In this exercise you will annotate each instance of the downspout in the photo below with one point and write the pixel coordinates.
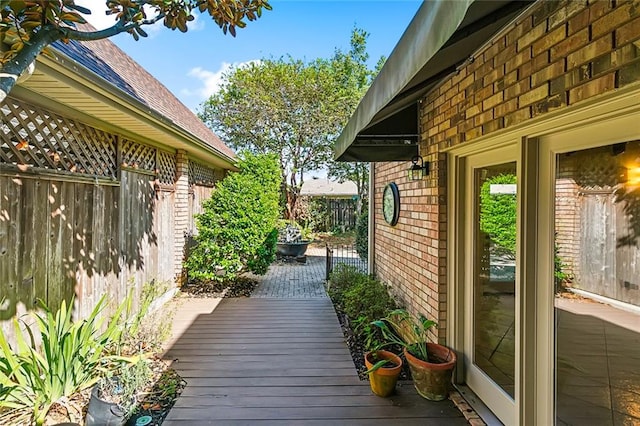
(371, 225)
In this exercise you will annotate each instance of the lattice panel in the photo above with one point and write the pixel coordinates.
(597, 170)
(199, 174)
(138, 156)
(33, 137)
(166, 167)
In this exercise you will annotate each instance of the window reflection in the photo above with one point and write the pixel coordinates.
(597, 271)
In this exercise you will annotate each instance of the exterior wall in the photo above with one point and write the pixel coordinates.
(410, 256)
(556, 56)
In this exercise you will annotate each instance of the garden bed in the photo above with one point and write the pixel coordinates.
(356, 346)
(240, 287)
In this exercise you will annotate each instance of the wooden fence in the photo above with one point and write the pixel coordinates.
(598, 224)
(83, 213)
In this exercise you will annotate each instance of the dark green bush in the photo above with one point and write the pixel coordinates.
(362, 234)
(367, 300)
(342, 279)
(237, 230)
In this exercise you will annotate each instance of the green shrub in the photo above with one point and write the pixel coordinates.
(362, 234)
(236, 229)
(498, 213)
(367, 300)
(341, 279)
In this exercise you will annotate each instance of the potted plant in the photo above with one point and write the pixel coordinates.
(115, 397)
(292, 241)
(431, 364)
(383, 368)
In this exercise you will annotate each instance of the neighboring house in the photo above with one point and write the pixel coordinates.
(339, 200)
(535, 107)
(101, 171)
(324, 188)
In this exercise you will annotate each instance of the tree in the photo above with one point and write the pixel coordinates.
(237, 230)
(292, 108)
(28, 27)
(358, 78)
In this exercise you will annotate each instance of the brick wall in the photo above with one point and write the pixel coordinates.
(181, 210)
(559, 54)
(567, 217)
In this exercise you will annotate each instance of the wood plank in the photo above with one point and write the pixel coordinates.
(458, 421)
(302, 413)
(265, 360)
(277, 391)
(266, 372)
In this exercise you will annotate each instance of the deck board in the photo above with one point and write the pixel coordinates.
(282, 362)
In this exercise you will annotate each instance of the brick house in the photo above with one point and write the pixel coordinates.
(533, 105)
(101, 171)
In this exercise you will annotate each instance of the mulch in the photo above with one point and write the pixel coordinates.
(241, 287)
(357, 348)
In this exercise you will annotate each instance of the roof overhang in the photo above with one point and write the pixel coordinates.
(441, 37)
(61, 84)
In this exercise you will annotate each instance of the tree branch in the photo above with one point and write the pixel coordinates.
(12, 69)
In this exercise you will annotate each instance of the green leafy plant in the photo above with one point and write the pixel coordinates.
(367, 299)
(341, 279)
(140, 329)
(70, 358)
(236, 229)
(362, 234)
(125, 383)
(498, 213)
(401, 328)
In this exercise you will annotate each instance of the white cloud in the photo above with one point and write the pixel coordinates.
(99, 19)
(212, 80)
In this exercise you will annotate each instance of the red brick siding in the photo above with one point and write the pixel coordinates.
(559, 54)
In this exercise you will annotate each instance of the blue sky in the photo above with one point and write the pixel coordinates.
(190, 64)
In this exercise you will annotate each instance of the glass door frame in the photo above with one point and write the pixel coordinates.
(494, 396)
(601, 121)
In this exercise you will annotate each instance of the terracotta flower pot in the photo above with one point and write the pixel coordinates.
(383, 380)
(432, 379)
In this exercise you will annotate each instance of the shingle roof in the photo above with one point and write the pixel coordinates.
(106, 60)
(327, 188)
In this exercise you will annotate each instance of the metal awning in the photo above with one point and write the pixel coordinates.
(439, 39)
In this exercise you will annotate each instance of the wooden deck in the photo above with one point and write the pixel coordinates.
(281, 362)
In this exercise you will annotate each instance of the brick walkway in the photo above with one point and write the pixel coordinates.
(293, 280)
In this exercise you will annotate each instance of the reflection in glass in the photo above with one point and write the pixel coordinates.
(494, 273)
(597, 222)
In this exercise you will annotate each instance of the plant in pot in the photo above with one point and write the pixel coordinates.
(431, 364)
(115, 397)
(293, 239)
(383, 367)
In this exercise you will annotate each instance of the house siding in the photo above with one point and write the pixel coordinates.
(557, 55)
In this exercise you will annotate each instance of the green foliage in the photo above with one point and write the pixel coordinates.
(70, 358)
(342, 278)
(363, 299)
(367, 299)
(401, 328)
(560, 276)
(236, 231)
(362, 234)
(142, 330)
(498, 213)
(28, 27)
(313, 103)
(123, 384)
